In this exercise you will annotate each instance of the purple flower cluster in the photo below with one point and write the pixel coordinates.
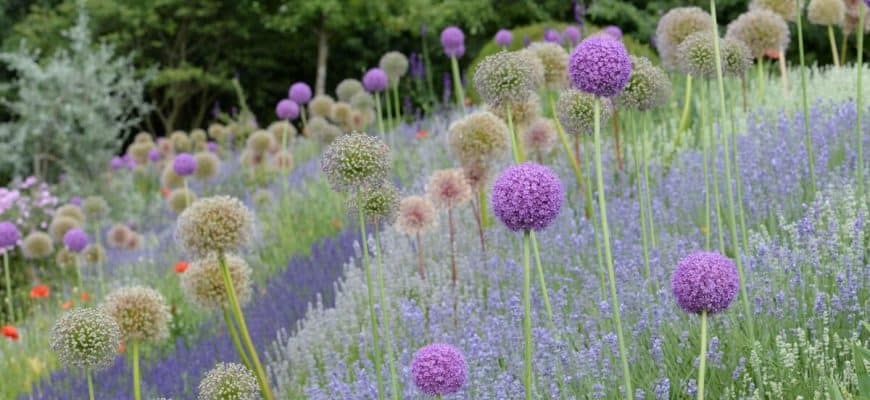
(75, 239)
(527, 197)
(9, 235)
(613, 31)
(504, 37)
(300, 93)
(453, 41)
(375, 80)
(439, 369)
(705, 281)
(571, 35)
(600, 65)
(287, 109)
(184, 164)
(552, 36)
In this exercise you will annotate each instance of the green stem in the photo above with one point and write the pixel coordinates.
(715, 173)
(518, 153)
(457, 84)
(98, 238)
(527, 317)
(90, 384)
(608, 257)
(575, 165)
(235, 336)
(385, 311)
(807, 137)
(702, 368)
(390, 119)
(833, 41)
(304, 118)
(376, 346)
(596, 230)
(78, 267)
(380, 117)
(642, 216)
(738, 182)
(484, 213)
(243, 329)
(284, 171)
(687, 101)
(9, 306)
(859, 103)
(760, 64)
(137, 389)
(186, 194)
(707, 219)
(397, 106)
(543, 282)
(646, 157)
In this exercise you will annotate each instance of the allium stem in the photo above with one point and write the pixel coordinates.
(9, 306)
(376, 346)
(380, 117)
(702, 367)
(484, 218)
(808, 139)
(186, 194)
(743, 91)
(783, 73)
(608, 257)
(518, 152)
(77, 265)
(457, 84)
(596, 230)
(477, 219)
(859, 103)
(642, 215)
(575, 165)
(235, 336)
(385, 312)
(304, 118)
(705, 121)
(646, 157)
(137, 389)
(844, 47)
(452, 245)
(398, 106)
(389, 101)
(833, 42)
(527, 317)
(90, 379)
(284, 171)
(738, 182)
(760, 64)
(714, 145)
(544, 292)
(420, 269)
(687, 101)
(616, 138)
(98, 239)
(243, 329)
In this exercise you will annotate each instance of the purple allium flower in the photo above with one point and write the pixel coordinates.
(705, 281)
(9, 235)
(439, 369)
(375, 80)
(75, 200)
(452, 39)
(212, 146)
(457, 52)
(184, 164)
(600, 66)
(117, 163)
(300, 92)
(504, 37)
(552, 36)
(75, 239)
(287, 109)
(154, 154)
(571, 34)
(527, 197)
(613, 31)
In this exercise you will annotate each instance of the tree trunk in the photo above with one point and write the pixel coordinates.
(322, 53)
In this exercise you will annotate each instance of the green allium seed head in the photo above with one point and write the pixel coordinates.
(278, 129)
(355, 161)
(576, 111)
(198, 136)
(321, 130)
(169, 178)
(736, 57)
(180, 141)
(95, 253)
(262, 197)
(142, 137)
(141, 313)
(203, 281)
(648, 87)
(179, 199)
(507, 78)
(207, 165)
(675, 26)
(218, 132)
(65, 258)
(321, 105)
(95, 207)
(345, 91)
(71, 210)
(214, 224)
(395, 64)
(138, 151)
(555, 61)
(362, 101)
(229, 381)
(86, 338)
(522, 114)
(378, 203)
(787, 9)
(260, 141)
(479, 137)
(697, 56)
(760, 30)
(60, 225)
(340, 114)
(37, 245)
(826, 12)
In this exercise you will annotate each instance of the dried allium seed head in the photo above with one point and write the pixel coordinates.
(362, 101)
(479, 137)
(214, 224)
(95, 253)
(522, 113)
(787, 9)
(761, 30)
(37, 245)
(506, 77)
(141, 313)
(283, 160)
(60, 225)
(218, 132)
(180, 141)
(134, 242)
(448, 188)
(826, 12)
(395, 64)
(169, 178)
(675, 26)
(260, 141)
(198, 136)
(207, 165)
(71, 210)
(65, 258)
(736, 57)
(346, 89)
(118, 235)
(477, 175)
(179, 199)
(540, 137)
(697, 56)
(416, 215)
(320, 105)
(354, 161)
(576, 111)
(86, 338)
(555, 61)
(340, 114)
(203, 281)
(378, 203)
(229, 381)
(280, 128)
(138, 151)
(143, 137)
(321, 130)
(648, 87)
(95, 207)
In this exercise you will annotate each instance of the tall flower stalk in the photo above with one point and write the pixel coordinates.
(859, 101)
(808, 139)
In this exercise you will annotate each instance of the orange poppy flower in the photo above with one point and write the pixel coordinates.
(67, 305)
(181, 266)
(165, 191)
(774, 54)
(422, 133)
(40, 292)
(9, 331)
(122, 347)
(85, 296)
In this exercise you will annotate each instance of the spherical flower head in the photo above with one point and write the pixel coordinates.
(180, 141)
(322, 131)
(452, 39)
(395, 64)
(65, 258)
(378, 203)
(705, 281)
(787, 9)
(477, 175)
(348, 88)
(283, 160)
(439, 369)
(37, 245)
(169, 178)
(117, 163)
(86, 338)
(675, 26)
(75, 239)
(287, 110)
(576, 111)
(340, 114)
(456, 52)
(9, 235)
(141, 313)
(600, 66)
(761, 30)
(214, 224)
(72, 211)
(448, 188)
(143, 137)
(198, 136)
(697, 56)
(184, 164)
(299, 92)
(179, 199)
(203, 281)
(479, 137)
(60, 225)
(736, 57)
(648, 87)
(527, 197)
(320, 105)
(118, 235)
(554, 58)
(375, 80)
(94, 253)
(506, 77)
(356, 160)
(522, 113)
(504, 37)
(207, 165)
(826, 12)
(540, 137)
(571, 35)
(139, 151)
(154, 154)
(229, 381)
(552, 36)
(211, 146)
(416, 215)
(362, 101)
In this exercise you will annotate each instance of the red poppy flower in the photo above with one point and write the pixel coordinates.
(67, 305)
(9, 331)
(774, 54)
(181, 266)
(422, 133)
(85, 296)
(122, 347)
(40, 292)
(165, 191)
